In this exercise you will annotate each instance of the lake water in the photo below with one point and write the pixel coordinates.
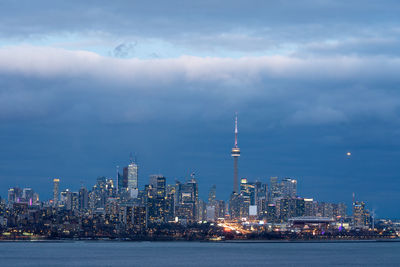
(82, 253)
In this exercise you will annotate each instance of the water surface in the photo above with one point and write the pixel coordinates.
(95, 253)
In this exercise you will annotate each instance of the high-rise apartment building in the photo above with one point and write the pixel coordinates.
(83, 199)
(159, 185)
(56, 192)
(289, 187)
(275, 190)
(212, 195)
(14, 195)
(187, 200)
(361, 216)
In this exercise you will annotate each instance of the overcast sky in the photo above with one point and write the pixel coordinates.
(84, 83)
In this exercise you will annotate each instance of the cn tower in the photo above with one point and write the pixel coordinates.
(235, 155)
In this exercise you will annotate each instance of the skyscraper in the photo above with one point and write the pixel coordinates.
(187, 200)
(130, 175)
(159, 187)
(361, 217)
(14, 195)
(235, 155)
(212, 195)
(56, 182)
(83, 199)
(289, 187)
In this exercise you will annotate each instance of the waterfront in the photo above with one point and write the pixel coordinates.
(98, 253)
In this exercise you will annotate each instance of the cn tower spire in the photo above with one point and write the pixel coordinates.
(236, 130)
(235, 154)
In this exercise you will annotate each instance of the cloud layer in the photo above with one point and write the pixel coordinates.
(314, 90)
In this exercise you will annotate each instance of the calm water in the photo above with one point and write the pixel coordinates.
(198, 254)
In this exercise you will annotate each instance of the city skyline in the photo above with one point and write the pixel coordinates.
(128, 180)
(82, 86)
(137, 182)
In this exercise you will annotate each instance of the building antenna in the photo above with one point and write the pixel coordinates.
(236, 129)
(131, 158)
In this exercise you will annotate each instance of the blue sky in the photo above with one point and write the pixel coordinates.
(84, 84)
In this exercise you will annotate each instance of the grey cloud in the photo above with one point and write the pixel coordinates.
(49, 62)
(237, 25)
(354, 46)
(304, 90)
(124, 50)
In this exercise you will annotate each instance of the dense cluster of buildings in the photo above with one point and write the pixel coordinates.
(117, 207)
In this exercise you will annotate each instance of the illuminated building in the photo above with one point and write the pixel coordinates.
(112, 210)
(251, 200)
(169, 214)
(299, 207)
(262, 204)
(309, 207)
(289, 188)
(83, 199)
(158, 184)
(100, 192)
(326, 209)
(361, 217)
(339, 210)
(27, 195)
(212, 195)
(56, 192)
(139, 218)
(275, 190)
(261, 198)
(246, 198)
(155, 209)
(122, 181)
(170, 203)
(14, 195)
(156, 202)
(239, 206)
(271, 214)
(311, 222)
(248, 191)
(131, 176)
(220, 209)
(134, 217)
(11, 195)
(291, 207)
(283, 209)
(210, 213)
(69, 200)
(187, 200)
(202, 210)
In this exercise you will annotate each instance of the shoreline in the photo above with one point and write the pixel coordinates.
(396, 240)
